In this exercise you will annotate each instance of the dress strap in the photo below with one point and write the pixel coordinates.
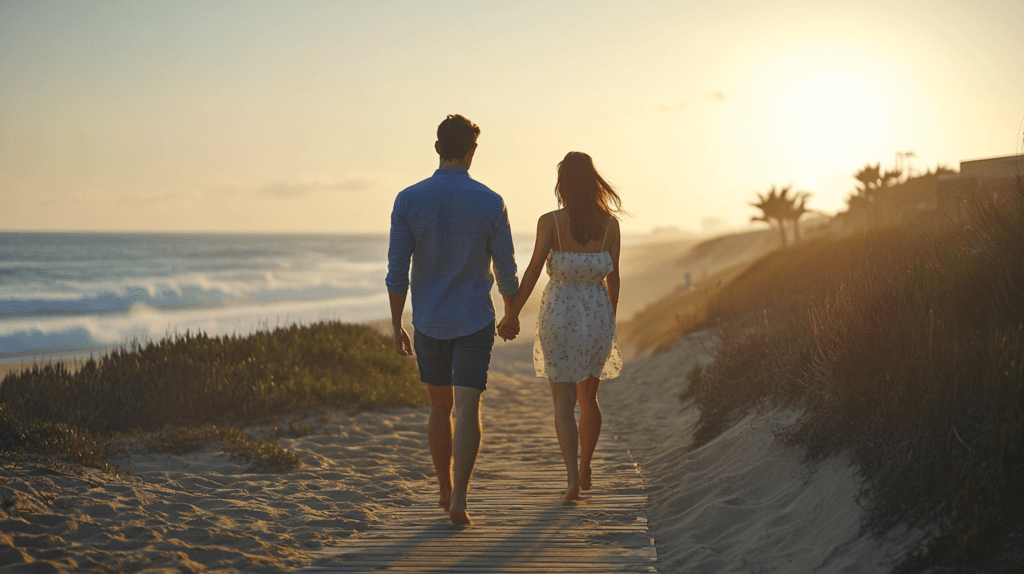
(558, 234)
(606, 227)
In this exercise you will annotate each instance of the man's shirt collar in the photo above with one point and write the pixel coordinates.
(451, 171)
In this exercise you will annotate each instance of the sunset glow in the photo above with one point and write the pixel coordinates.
(843, 111)
(312, 116)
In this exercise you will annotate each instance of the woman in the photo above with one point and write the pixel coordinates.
(575, 344)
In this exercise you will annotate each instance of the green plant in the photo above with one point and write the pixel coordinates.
(191, 380)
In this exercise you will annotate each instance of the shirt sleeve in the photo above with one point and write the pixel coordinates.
(400, 248)
(503, 254)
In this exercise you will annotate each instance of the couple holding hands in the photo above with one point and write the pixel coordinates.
(453, 229)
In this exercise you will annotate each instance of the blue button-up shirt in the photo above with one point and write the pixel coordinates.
(452, 227)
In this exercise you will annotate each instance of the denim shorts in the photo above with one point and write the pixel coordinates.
(462, 361)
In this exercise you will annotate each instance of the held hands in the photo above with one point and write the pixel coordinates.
(508, 328)
(403, 346)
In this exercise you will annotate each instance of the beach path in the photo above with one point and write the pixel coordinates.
(519, 521)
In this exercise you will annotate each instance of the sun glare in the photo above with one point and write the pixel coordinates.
(832, 117)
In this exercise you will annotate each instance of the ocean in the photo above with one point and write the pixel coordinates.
(63, 294)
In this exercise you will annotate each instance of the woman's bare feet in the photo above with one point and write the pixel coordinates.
(445, 501)
(572, 492)
(457, 510)
(585, 478)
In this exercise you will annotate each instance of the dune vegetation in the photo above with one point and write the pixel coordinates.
(904, 347)
(192, 390)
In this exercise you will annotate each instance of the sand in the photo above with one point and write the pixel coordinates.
(205, 512)
(741, 503)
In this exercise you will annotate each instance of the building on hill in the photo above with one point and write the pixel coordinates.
(980, 178)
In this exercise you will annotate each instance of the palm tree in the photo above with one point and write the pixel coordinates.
(797, 208)
(869, 177)
(875, 183)
(775, 206)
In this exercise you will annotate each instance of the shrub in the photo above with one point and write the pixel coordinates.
(906, 348)
(193, 379)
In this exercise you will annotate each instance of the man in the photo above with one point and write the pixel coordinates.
(453, 228)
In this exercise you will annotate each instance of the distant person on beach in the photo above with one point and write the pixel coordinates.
(453, 228)
(575, 343)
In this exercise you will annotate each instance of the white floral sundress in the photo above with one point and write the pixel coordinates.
(576, 325)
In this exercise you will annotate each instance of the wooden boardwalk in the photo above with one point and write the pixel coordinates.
(519, 521)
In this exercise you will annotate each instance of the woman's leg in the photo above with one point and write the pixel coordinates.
(590, 426)
(564, 396)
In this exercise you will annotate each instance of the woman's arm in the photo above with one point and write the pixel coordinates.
(613, 278)
(541, 248)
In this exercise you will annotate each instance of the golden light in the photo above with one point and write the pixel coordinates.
(833, 116)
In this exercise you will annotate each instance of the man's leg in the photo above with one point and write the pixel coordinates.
(467, 446)
(435, 362)
(471, 357)
(564, 396)
(590, 426)
(439, 433)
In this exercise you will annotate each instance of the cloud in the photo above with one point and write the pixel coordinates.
(718, 95)
(309, 185)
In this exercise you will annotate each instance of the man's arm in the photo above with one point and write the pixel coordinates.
(403, 346)
(400, 247)
(503, 257)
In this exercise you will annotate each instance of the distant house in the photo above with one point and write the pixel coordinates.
(980, 178)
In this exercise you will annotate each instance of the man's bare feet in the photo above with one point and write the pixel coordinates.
(585, 478)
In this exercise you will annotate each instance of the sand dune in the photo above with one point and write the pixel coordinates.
(743, 502)
(652, 270)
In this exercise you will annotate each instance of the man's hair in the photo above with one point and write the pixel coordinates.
(455, 136)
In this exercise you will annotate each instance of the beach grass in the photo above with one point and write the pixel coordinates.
(192, 390)
(905, 348)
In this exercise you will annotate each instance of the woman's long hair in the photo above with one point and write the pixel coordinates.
(586, 196)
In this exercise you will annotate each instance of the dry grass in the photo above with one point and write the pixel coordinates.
(906, 349)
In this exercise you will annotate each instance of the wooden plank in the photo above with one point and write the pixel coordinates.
(580, 557)
(614, 545)
(520, 524)
(608, 539)
(538, 543)
(511, 537)
(482, 566)
(482, 569)
(508, 510)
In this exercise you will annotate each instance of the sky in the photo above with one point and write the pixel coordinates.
(311, 116)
